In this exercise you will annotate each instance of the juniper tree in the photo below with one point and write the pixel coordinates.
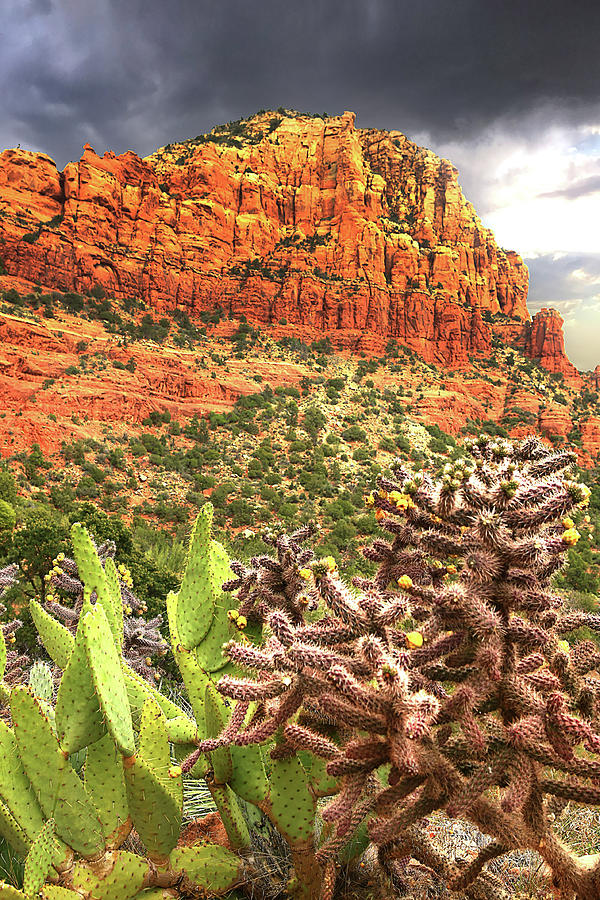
(445, 681)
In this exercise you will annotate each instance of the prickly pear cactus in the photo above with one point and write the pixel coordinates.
(79, 771)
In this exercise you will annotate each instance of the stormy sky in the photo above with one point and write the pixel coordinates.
(509, 91)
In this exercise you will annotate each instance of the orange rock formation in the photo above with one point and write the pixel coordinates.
(358, 234)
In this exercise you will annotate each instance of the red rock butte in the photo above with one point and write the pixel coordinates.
(357, 234)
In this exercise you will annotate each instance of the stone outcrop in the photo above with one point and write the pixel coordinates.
(358, 234)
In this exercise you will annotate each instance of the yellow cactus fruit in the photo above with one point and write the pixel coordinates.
(405, 581)
(571, 536)
(232, 614)
(564, 645)
(148, 661)
(414, 639)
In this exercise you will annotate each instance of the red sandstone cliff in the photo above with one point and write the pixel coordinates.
(355, 233)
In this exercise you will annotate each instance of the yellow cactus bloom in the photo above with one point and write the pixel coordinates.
(452, 570)
(405, 581)
(379, 514)
(232, 614)
(174, 771)
(148, 661)
(304, 573)
(564, 645)
(370, 499)
(567, 522)
(395, 496)
(414, 639)
(241, 622)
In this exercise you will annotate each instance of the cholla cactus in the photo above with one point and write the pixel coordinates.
(142, 639)
(450, 667)
(16, 662)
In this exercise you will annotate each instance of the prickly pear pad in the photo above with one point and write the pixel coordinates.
(155, 751)
(94, 578)
(79, 719)
(12, 832)
(107, 674)
(105, 784)
(217, 715)
(293, 806)
(8, 892)
(38, 863)
(114, 590)
(57, 639)
(15, 787)
(214, 869)
(155, 813)
(195, 601)
(123, 881)
(58, 789)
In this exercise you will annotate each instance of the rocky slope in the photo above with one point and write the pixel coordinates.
(357, 234)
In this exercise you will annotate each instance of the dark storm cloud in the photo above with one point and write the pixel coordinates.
(143, 72)
(580, 188)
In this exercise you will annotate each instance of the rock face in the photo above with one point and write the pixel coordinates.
(543, 340)
(357, 234)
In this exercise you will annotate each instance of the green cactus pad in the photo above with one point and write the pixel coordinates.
(122, 882)
(231, 814)
(195, 681)
(94, 578)
(57, 640)
(249, 779)
(139, 690)
(59, 790)
(15, 787)
(154, 750)
(216, 716)
(107, 675)
(41, 681)
(155, 812)
(8, 892)
(57, 892)
(38, 863)
(292, 805)
(181, 730)
(79, 719)
(214, 869)
(209, 652)
(195, 600)
(105, 784)
(114, 589)
(322, 784)
(12, 832)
